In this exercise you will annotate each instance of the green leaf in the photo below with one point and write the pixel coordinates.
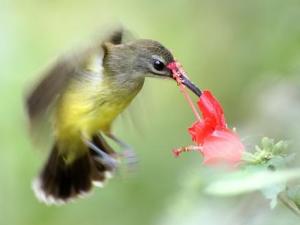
(250, 180)
(280, 147)
(267, 144)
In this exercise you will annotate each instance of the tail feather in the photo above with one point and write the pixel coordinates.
(59, 181)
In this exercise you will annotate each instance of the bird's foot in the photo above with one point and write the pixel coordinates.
(106, 159)
(130, 159)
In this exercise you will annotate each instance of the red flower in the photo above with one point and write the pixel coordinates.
(216, 142)
(213, 118)
(222, 146)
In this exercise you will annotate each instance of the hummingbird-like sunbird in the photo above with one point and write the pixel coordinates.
(86, 91)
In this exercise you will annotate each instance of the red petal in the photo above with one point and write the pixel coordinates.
(213, 118)
(199, 131)
(222, 146)
(211, 110)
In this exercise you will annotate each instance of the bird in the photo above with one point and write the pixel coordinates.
(86, 92)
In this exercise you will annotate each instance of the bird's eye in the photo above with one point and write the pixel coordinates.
(158, 65)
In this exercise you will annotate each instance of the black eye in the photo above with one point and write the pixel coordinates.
(158, 65)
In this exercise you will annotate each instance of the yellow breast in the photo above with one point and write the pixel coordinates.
(89, 108)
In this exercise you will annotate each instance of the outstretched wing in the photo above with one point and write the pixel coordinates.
(51, 85)
(57, 77)
(42, 97)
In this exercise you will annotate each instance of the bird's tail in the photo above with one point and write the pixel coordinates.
(61, 181)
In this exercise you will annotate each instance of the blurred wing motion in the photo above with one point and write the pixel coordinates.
(53, 84)
(57, 78)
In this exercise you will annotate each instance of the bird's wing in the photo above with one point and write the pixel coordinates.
(57, 77)
(41, 99)
(50, 86)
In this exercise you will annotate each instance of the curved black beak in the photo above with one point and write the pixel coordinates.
(177, 72)
(186, 82)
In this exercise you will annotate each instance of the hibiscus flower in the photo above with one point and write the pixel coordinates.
(214, 140)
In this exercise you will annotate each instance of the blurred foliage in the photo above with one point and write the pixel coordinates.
(265, 169)
(268, 153)
(246, 52)
(294, 193)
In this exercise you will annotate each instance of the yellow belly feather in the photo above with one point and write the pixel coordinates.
(85, 110)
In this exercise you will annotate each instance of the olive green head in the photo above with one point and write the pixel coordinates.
(140, 58)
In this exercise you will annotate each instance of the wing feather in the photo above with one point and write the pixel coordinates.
(52, 84)
(57, 77)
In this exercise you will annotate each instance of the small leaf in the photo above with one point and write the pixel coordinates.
(267, 144)
(257, 148)
(268, 150)
(280, 147)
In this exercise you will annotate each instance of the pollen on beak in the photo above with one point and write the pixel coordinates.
(180, 76)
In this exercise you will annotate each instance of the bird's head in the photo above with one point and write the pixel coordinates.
(144, 58)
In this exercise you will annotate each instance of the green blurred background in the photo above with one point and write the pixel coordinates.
(246, 52)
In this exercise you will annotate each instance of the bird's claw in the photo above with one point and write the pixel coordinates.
(130, 159)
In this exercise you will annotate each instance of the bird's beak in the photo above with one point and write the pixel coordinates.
(180, 76)
(186, 82)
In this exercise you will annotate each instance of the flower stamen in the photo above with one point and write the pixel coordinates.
(191, 148)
